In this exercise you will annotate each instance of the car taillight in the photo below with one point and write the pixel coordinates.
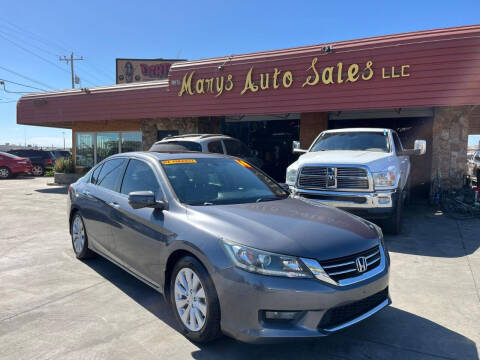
(70, 189)
(48, 161)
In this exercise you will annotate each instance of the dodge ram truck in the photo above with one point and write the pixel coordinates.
(362, 170)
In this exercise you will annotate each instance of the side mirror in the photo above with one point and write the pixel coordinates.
(142, 199)
(296, 148)
(420, 147)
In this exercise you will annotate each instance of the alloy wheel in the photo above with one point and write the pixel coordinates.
(190, 299)
(37, 170)
(78, 234)
(4, 173)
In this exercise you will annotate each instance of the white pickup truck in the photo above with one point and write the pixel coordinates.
(361, 170)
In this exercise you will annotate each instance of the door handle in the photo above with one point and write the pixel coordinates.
(114, 204)
(86, 192)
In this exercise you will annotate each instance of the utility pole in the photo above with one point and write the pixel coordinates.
(63, 132)
(71, 60)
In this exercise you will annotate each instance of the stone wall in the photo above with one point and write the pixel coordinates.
(183, 125)
(449, 145)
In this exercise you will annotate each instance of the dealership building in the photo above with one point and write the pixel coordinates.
(425, 84)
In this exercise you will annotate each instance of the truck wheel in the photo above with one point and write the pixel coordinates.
(393, 225)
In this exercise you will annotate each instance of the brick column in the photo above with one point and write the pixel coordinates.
(311, 124)
(449, 145)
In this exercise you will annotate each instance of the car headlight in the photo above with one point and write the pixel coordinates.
(266, 263)
(291, 177)
(385, 178)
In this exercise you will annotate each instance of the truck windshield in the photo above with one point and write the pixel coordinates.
(215, 181)
(363, 141)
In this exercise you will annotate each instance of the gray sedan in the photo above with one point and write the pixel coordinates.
(228, 247)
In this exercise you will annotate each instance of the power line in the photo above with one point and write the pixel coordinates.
(27, 78)
(34, 36)
(33, 53)
(13, 82)
(100, 70)
(49, 44)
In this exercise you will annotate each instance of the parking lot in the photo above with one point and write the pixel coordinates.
(53, 306)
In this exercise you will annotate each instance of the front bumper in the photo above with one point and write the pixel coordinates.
(375, 204)
(244, 298)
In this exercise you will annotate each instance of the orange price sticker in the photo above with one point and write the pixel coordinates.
(179, 161)
(243, 163)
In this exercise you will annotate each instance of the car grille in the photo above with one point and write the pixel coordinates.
(322, 177)
(345, 313)
(345, 267)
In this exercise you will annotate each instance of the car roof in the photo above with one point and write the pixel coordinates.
(358, 130)
(193, 137)
(170, 155)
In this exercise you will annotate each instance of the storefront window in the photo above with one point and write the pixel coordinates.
(131, 141)
(84, 150)
(107, 145)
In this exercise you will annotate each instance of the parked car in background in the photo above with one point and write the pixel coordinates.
(12, 165)
(42, 160)
(474, 165)
(229, 248)
(61, 154)
(213, 143)
(362, 170)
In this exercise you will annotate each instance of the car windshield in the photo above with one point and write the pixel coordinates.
(364, 141)
(9, 155)
(215, 181)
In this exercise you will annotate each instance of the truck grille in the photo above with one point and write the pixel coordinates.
(342, 314)
(346, 267)
(323, 177)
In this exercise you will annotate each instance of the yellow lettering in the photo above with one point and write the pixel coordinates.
(229, 85)
(199, 86)
(339, 72)
(368, 68)
(385, 75)
(287, 79)
(264, 81)
(209, 83)
(187, 84)
(327, 75)
(276, 72)
(352, 73)
(219, 82)
(316, 79)
(404, 74)
(393, 73)
(249, 84)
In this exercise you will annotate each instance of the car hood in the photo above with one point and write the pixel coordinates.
(290, 226)
(376, 161)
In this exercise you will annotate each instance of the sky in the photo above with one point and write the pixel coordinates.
(33, 34)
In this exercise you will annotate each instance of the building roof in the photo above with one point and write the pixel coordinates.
(418, 69)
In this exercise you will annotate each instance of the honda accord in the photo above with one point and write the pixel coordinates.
(228, 247)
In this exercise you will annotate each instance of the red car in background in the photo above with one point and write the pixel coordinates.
(12, 165)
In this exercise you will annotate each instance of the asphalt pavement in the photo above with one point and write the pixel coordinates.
(53, 306)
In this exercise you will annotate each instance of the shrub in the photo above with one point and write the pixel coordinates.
(64, 165)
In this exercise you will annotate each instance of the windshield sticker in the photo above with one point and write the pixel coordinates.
(243, 163)
(179, 161)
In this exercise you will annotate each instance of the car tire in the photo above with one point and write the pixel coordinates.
(192, 301)
(5, 172)
(393, 225)
(80, 238)
(38, 170)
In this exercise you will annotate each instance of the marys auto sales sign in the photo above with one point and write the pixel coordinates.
(313, 75)
(138, 70)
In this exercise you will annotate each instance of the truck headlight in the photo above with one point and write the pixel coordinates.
(266, 263)
(385, 178)
(291, 177)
